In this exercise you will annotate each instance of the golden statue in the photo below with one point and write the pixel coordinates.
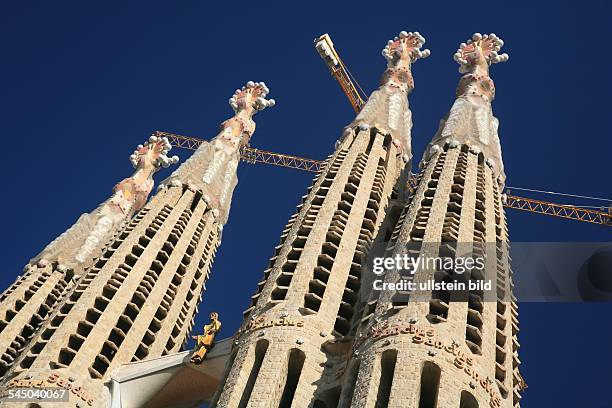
(205, 342)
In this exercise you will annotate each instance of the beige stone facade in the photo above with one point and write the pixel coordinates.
(309, 341)
(411, 352)
(136, 302)
(139, 298)
(316, 333)
(292, 347)
(448, 348)
(26, 304)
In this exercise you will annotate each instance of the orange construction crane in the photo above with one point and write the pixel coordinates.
(251, 155)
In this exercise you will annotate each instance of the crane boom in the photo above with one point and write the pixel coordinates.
(559, 210)
(325, 48)
(248, 154)
(252, 155)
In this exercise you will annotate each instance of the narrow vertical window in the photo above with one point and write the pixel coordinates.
(294, 370)
(260, 352)
(467, 400)
(387, 370)
(430, 383)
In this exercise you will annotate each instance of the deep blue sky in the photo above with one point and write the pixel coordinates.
(83, 83)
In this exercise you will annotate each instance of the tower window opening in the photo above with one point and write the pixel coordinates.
(430, 383)
(260, 352)
(388, 360)
(294, 370)
(84, 328)
(467, 400)
(65, 357)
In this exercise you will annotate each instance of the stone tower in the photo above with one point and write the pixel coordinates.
(419, 347)
(26, 304)
(139, 298)
(290, 348)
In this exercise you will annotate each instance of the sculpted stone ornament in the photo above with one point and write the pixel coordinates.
(146, 159)
(387, 108)
(205, 342)
(246, 102)
(400, 53)
(474, 58)
(212, 168)
(470, 120)
(79, 243)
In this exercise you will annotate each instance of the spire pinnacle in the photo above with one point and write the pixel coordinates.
(131, 193)
(474, 58)
(245, 102)
(471, 121)
(480, 50)
(405, 47)
(153, 153)
(400, 53)
(251, 97)
(387, 108)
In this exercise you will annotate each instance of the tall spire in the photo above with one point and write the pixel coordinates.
(387, 108)
(49, 277)
(139, 298)
(296, 332)
(212, 168)
(458, 347)
(471, 119)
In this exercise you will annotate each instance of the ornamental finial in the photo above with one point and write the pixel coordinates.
(481, 49)
(403, 47)
(154, 153)
(251, 96)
